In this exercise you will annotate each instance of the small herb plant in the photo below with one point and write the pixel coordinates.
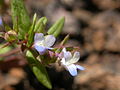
(36, 42)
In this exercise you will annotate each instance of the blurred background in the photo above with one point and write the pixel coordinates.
(93, 25)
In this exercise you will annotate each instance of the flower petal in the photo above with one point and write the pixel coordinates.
(1, 21)
(75, 58)
(72, 69)
(61, 55)
(80, 67)
(49, 40)
(64, 50)
(38, 37)
(63, 61)
(67, 56)
(40, 49)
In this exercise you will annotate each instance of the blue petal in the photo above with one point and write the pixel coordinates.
(80, 67)
(40, 49)
(0, 20)
(72, 69)
(38, 37)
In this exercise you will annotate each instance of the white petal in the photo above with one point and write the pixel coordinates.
(80, 67)
(63, 61)
(61, 55)
(38, 37)
(64, 50)
(67, 56)
(76, 57)
(49, 40)
(72, 69)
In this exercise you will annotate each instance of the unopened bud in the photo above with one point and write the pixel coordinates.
(10, 36)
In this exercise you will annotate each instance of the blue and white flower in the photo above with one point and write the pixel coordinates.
(43, 43)
(68, 61)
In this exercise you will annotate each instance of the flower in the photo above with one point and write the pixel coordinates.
(68, 61)
(43, 43)
(1, 20)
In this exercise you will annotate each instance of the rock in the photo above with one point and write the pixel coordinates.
(113, 40)
(83, 15)
(72, 3)
(103, 32)
(104, 19)
(18, 73)
(12, 78)
(94, 39)
(107, 4)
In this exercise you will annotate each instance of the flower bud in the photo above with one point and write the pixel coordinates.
(10, 36)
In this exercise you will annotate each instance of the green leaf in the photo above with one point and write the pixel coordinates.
(64, 40)
(38, 69)
(4, 50)
(7, 28)
(21, 21)
(40, 25)
(58, 50)
(62, 43)
(57, 27)
(31, 32)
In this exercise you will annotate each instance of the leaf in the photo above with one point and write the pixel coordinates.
(58, 50)
(4, 50)
(38, 69)
(40, 25)
(57, 27)
(21, 21)
(7, 28)
(62, 43)
(64, 40)
(31, 32)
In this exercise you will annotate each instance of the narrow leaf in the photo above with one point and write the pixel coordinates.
(31, 32)
(40, 25)
(21, 21)
(62, 43)
(4, 50)
(57, 27)
(64, 40)
(38, 69)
